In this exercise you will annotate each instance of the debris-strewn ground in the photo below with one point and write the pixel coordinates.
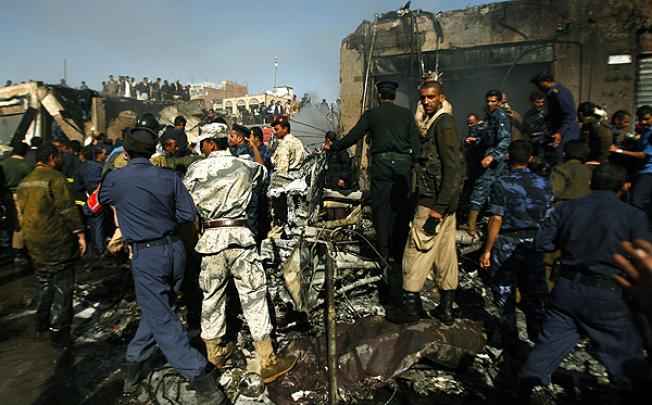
(106, 318)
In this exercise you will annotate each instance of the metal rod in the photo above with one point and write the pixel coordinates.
(331, 342)
(369, 61)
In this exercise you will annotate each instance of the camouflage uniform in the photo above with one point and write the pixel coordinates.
(221, 186)
(49, 221)
(287, 158)
(288, 155)
(522, 199)
(495, 141)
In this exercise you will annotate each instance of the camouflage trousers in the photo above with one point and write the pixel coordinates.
(425, 253)
(243, 264)
(516, 264)
(483, 183)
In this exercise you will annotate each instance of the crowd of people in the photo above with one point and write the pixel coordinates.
(155, 90)
(565, 197)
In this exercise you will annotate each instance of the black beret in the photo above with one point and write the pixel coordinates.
(140, 140)
(241, 129)
(386, 84)
(542, 75)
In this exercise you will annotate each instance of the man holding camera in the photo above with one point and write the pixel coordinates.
(439, 177)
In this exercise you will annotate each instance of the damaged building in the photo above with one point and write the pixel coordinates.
(37, 109)
(601, 50)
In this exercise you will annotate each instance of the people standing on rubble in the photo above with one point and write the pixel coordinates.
(151, 203)
(439, 176)
(111, 87)
(494, 141)
(536, 129)
(586, 300)
(143, 90)
(395, 146)
(286, 160)
(87, 177)
(562, 115)
(222, 186)
(338, 166)
(54, 236)
(15, 169)
(517, 205)
(166, 91)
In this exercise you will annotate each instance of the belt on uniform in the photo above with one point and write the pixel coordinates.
(393, 156)
(590, 280)
(519, 233)
(225, 222)
(156, 242)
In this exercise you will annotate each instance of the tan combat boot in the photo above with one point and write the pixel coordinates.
(469, 227)
(272, 367)
(216, 353)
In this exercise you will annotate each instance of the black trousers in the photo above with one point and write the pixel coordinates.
(391, 205)
(54, 297)
(641, 194)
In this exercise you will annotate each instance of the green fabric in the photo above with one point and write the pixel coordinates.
(49, 217)
(15, 169)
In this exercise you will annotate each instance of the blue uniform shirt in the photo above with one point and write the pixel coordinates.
(589, 231)
(150, 201)
(499, 134)
(562, 113)
(522, 198)
(88, 176)
(645, 145)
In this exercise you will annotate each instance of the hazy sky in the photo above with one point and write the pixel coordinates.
(188, 40)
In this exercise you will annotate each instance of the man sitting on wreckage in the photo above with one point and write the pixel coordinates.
(222, 186)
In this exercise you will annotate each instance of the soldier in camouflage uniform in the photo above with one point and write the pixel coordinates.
(221, 186)
(54, 236)
(495, 141)
(286, 159)
(517, 205)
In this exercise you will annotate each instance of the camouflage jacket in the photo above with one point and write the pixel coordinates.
(522, 198)
(288, 155)
(50, 217)
(222, 187)
(499, 134)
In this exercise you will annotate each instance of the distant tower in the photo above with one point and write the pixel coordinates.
(275, 71)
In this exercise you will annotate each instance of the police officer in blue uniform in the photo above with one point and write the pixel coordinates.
(151, 203)
(517, 205)
(585, 299)
(494, 141)
(562, 114)
(87, 178)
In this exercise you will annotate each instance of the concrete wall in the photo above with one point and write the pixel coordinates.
(582, 34)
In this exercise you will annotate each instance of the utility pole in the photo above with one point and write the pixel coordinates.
(65, 71)
(275, 71)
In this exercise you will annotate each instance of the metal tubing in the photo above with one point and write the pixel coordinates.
(331, 342)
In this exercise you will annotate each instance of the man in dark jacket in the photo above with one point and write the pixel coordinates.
(338, 170)
(494, 141)
(54, 236)
(394, 147)
(87, 178)
(431, 242)
(586, 301)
